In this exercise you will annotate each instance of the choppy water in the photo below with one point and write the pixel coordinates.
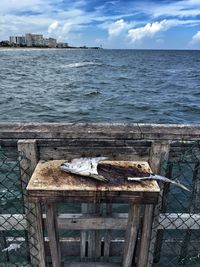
(99, 85)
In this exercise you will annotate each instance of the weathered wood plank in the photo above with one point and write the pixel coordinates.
(107, 234)
(127, 149)
(169, 131)
(145, 235)
(69, 130)
(91, 264)
(160, 234)
(67, 264)
(118, 221)
(50, 184)
(98, 236)
(53, 235)
(91, 209)
(102, 197)
(28, 156)
(131, 234)
(122, 153)
(99, 130)
(93, 142)
(83, 234)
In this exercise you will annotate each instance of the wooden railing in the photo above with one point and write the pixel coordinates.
(154, 143)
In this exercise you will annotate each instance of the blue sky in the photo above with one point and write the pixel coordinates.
(137, 24)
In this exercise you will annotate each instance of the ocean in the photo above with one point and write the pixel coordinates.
(89, 85)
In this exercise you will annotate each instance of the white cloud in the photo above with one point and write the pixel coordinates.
(149, 30)
(54, 26)
(15, 6)
(184, 8)
(75, 21)
(152, 29)
(117, 27)
(195, 39)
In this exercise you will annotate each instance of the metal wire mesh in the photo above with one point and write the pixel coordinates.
(178, 244)
(177, 235)
(17, 247)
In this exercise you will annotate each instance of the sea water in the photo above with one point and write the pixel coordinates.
(89, 85)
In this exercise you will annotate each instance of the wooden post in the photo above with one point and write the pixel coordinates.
(94, 242)
(160, 233)
(145, 235)
(52, 228)
(131, 234)
(107, 235)
(28, 160)
(83, 235)
(159, 155)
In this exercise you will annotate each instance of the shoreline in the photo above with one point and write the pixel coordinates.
(50, 48)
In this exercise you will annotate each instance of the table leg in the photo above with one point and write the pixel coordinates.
(52, 228)
(145, 235)
(131, 234)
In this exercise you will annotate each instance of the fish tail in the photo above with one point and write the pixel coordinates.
(181, 185)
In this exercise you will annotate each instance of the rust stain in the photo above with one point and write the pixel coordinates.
(49, 175)
(118, 174)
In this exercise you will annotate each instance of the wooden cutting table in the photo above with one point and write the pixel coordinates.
(50, 185)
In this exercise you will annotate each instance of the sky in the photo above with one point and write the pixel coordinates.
(124, 24)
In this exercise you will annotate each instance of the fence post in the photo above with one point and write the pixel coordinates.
(28, 160)
(159, 155)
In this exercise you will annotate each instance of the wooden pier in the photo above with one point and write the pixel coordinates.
(155, 144)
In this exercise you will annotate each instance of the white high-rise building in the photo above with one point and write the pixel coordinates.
(18, 40)
(50, 42)
(34, 39)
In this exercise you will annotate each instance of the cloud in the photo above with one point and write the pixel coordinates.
(54, 26)
(117, 27)
(152, 29)
(195, 39)
(110, 21)
(149, 30)
(181, 9)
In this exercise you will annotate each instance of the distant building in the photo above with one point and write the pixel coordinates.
(17, 40)
(50, 42)
(33, 40)
(62, 45)
(12, 40)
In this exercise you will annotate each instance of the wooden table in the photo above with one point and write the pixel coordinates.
(50, 185)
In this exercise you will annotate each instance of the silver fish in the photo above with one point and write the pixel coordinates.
(12, 246)
(158, 178)
(85, 167)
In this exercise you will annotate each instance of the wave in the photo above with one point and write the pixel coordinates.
(81, 64)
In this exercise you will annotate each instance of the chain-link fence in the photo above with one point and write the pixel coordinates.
(17, 245)
(177, 232)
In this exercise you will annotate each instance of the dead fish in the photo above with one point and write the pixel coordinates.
(158, 178)
(11, 247)
(84, 167)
